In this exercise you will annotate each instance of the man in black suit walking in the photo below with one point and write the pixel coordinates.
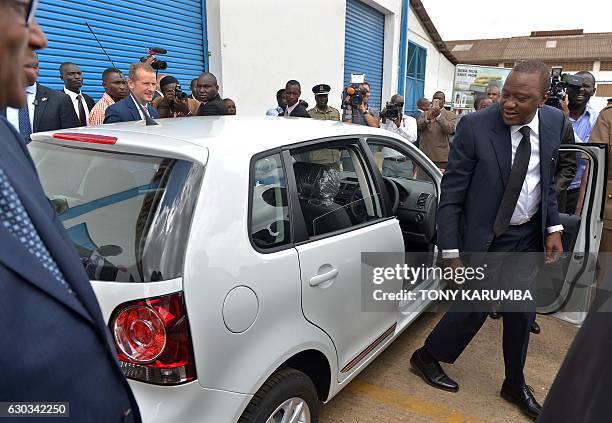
(498, 196)
(73, 82)
(55, 343)
(207, 92)
(45, 109)
(294, 108)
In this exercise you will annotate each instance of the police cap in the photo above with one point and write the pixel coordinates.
(321, 89)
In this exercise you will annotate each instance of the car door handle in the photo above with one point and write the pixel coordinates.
(327, 276)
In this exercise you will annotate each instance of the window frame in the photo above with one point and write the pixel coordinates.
(264, 154)
(350, 141)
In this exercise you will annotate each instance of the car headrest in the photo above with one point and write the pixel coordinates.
(317, 182)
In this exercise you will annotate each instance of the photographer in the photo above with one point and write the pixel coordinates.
(364, 115)
(582, 117)
(174, 102)
(393, 119)
(435, 128)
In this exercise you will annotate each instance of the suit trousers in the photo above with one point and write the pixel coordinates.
(457, 327)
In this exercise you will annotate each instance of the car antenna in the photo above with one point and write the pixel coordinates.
(148, 119)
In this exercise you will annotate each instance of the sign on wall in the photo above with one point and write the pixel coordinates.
(471, 81)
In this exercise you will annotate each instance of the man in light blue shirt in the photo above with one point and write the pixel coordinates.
(583, 118)
(281, 100)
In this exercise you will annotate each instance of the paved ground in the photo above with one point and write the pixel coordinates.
(387, 391)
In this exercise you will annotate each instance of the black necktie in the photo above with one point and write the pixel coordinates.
(82, 115)
(515, 184)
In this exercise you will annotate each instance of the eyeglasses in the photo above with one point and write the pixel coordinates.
(25, 7)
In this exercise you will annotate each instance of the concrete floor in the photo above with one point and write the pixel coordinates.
(387, 391)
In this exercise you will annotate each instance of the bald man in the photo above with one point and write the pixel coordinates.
(207, 92)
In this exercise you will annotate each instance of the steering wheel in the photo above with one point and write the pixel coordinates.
(396, 195)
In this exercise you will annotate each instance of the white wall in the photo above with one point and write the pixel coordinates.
(439, 71)
(257, 46)
(264, 43)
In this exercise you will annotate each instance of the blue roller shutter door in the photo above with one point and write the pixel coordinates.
(125, 29)
(364, 46)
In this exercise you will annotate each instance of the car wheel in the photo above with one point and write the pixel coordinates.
(287, 396)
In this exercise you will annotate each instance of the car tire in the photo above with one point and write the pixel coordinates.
(285, 384)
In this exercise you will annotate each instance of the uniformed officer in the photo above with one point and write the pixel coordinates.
(322, 111)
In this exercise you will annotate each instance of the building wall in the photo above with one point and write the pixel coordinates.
(439, 71)
(255, 47)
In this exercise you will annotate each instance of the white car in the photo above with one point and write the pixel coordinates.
(225, 253)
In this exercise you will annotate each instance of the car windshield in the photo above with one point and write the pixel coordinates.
(127, 215)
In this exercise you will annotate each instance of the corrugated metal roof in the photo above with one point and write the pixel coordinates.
(594, 46)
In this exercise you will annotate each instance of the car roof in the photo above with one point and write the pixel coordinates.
(252, 134)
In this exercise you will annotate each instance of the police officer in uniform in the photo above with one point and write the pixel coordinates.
(322, 111)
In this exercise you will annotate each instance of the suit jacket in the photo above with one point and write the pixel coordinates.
(126, 110)
(566, 169)
(214, 107)
(299, 111)
(55, 346)
(53, 110)
(434, 136)
(477, 173)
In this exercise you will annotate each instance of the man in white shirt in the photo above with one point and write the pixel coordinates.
(394, 164)
(136, 106)
(72, 76)
(498, 197)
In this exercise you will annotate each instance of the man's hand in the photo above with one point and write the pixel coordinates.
(564, 107)
(398, 121)
(554, 247)
(181, 106)
(435, 112)
(452, 263)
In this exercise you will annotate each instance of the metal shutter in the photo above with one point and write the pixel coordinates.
(364, 46)
(125, 29)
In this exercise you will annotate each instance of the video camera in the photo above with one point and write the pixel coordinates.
(353, 95)
(156, 64)
(392, 111)
(559, 84)
(179, 93)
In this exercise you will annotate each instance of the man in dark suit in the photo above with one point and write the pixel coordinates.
(498, 197)
(207, 92)
(45, 109)
(294, 108)
(55, 344)
(73, 82)
(142, 85)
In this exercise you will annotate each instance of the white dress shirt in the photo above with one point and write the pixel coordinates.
(528, 202)
(291, 108)
(12, 115)
(144, 106)
(75, 103)
(407, 129)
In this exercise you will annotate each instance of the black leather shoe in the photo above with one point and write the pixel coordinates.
(524, 398)
(431, 372)
(535, 328)
(495, 315)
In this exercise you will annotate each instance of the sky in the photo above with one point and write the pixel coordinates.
(476, 19)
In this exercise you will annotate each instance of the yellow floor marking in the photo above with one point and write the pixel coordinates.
(410, 403)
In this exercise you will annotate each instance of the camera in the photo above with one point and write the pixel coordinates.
(559, 84)
(392, 110)
(156, 64)
(179, 93)
(353, 95)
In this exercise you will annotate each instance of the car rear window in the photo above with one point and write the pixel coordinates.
(127, 215)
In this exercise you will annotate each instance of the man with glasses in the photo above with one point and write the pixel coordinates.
(55, 342)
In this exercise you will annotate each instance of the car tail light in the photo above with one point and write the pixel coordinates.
(90, 138)
(153, 340)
